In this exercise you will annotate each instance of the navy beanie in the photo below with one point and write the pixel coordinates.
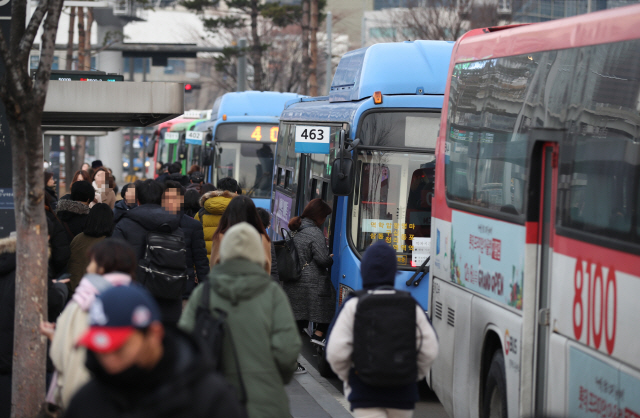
(379, 266)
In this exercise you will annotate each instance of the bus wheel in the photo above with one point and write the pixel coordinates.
(495, 389)
(323, 365)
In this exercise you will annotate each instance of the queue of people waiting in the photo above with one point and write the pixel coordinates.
(138, 288)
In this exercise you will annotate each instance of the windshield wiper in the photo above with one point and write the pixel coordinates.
(424, 269)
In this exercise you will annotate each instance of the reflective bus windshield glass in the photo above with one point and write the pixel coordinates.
(400, 129)
(244, 151)
(392, 201)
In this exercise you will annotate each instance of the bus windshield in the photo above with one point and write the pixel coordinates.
(251, 164)
(392, 201)
(245, 152)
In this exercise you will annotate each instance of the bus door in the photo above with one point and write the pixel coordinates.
(316, 184)
(548, 191)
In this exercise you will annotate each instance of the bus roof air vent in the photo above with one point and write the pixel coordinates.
(402, 67)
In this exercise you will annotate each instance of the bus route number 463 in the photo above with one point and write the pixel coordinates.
(312, 133)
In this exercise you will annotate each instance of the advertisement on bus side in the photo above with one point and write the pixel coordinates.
(487, 257)
(282, 211)
(597, 389)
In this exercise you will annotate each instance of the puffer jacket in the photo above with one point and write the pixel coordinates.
(264, 333)
(214, 204)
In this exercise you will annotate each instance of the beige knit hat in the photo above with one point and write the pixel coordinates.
(242, 241)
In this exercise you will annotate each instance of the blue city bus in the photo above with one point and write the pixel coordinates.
(239, 141)
(377, 169)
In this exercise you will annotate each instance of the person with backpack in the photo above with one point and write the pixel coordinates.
(196, 255)
(140, 368)
(159, 243)
(213, 205)
(380, 369)
(260, 344)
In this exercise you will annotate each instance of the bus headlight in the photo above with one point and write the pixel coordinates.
(344, 292)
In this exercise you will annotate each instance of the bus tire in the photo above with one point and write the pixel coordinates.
(323, 365)
(495, 389)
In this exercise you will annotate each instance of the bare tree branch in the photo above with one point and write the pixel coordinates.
(32, 30)
(48, 48)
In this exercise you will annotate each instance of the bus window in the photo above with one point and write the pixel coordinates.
(394, 201)
(400, 129)
(602, 195)
(251, 164)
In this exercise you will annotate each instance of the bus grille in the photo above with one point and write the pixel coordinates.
(451, 316)
(438, 310)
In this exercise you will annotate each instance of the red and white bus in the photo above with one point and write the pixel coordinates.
(535, 251)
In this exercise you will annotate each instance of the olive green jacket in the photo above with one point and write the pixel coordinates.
(263, 329)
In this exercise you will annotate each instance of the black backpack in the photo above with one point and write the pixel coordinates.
(163, 270)
(384, 337)
(289, 268)
(212, 330)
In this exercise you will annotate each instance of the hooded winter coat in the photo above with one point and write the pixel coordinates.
(214, 204)
(182, 385)
(73, 215)
(266, 246)
(263, 329)
(133, 228)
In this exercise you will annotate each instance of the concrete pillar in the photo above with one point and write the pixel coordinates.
(109, 148)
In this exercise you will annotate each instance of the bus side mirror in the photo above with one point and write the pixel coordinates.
(342, 175)
(342, 168)
(151, 147)
(207, 157)
(182, 152)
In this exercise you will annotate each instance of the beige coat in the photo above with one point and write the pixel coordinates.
(215, 251)
(66, 357)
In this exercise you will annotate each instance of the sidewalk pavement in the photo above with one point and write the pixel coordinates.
(312, 396)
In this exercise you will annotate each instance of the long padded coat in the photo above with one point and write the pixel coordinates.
(313, 297)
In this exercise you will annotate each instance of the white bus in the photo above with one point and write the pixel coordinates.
(535, 249)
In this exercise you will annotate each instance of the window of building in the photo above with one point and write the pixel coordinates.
(175, 67)
(387, 33)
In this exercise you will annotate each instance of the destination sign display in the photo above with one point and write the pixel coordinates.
(260, 132)
(194, 135)
(171, 136)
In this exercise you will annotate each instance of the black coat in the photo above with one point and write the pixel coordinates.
(55, 295)
(197, 260)
(133, 228)
(182, 384)
(73, 216)
(59, 246)
(162, 178)
(54, 198)
(120, 209)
